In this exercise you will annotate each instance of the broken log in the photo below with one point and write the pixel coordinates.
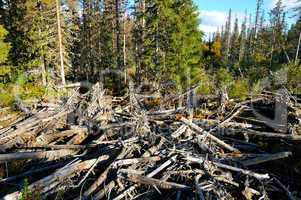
(207, 134)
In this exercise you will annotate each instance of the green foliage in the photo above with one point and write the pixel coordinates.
(256, 73)
(26, 193)
(30, 90)
(4, 46)
(52, 93)
(224, 77)
(206, 83)
(6, 99)
(5, 70)
(171, 46)
(257, 88)
(22, 87)
(239, 89)
(294, 78)
(6, 96)
(4, 52)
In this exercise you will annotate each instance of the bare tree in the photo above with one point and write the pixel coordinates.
(61, 51)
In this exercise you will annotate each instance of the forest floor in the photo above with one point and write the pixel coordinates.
(140, 147)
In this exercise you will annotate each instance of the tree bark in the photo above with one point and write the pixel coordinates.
(59, 30)
(298, 48)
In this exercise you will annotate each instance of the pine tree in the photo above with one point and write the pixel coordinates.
(277, 16)
(60, 40)
(188, 44)
(293, 40)
(250, 39)
(217, 46)
(4, 53)
(71, 24)
(235, 45)
(169, 46)
(12, 17)
(47, 34)
(102, 44)
(242, 38)
(139, 38)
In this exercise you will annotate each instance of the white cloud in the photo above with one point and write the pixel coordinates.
(212, 20)
(288, 4)
(208, 29)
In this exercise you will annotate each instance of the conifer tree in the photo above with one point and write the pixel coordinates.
(187, 42)
(12, 17)
(235, 45)
(170, 45)
(277, 16)
(242, 38)
(5, 47)
(71, 23)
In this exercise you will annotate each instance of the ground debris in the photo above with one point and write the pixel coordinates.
(94, 146)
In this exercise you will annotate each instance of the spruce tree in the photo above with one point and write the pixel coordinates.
(277, 16)
(5, 47)
(235, 44)
(169, 46)
(242, 38)
(187, 42)
(12, 16)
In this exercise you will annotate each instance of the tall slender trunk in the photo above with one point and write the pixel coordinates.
(118, 47)
(228, 39)
(43, 68)
(272, 48)
(298, 48)
(124, 46)
(60, 42)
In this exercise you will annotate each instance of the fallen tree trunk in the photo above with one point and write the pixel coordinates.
(47, 183)
(207, 134)
(267, 158)
(154, 182)
(49, 155)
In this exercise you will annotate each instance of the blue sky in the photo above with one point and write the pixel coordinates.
(214, 12)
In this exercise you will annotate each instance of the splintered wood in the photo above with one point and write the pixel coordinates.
(95, 146)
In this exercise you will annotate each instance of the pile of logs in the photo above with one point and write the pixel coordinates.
(95, 146)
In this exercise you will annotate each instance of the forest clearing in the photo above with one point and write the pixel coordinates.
(117, 99)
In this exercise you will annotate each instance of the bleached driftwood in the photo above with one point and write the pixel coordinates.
(154, 182)
(49, 155)
(54, 179)
(207, 134)
(224, 166)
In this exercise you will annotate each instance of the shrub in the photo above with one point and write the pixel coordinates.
(206, 85)
(294, 78)
(26, 193)
(6, 99)
(239, 89)
(224, 78)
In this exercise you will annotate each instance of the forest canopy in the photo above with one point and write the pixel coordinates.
(152, 42)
